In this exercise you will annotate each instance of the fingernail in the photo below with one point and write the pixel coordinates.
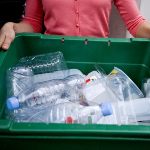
(5, 47)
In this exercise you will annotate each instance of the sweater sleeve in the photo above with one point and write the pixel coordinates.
(34, 14)
(130, 13)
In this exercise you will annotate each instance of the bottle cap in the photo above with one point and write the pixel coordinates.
(106, 109)
(12, 103)
(69, 120)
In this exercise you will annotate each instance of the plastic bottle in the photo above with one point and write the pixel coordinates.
(38, 113)
(65, 111)
(48, 91)
(40, 93)
(141, 108)
(129, 112)
(76, 113)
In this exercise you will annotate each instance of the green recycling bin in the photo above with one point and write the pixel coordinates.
(130, 55)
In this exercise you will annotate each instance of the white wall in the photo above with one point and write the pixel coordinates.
(145, 8)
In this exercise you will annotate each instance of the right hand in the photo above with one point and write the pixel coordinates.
(7, 35)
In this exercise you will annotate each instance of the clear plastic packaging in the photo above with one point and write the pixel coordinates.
(98, 90)
(31, 69)
(95, 89)
(44, 63)
(61, 74)
(18, 79)
(123, 87)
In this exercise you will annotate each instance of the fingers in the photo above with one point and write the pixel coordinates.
(7, 41)
(7, 35)
(2, 38)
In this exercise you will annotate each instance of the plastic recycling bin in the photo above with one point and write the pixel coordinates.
(130, 55)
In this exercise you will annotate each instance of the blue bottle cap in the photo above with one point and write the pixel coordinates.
(106, 109)
(12, 103)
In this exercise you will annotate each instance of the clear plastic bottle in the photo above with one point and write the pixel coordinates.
(38, 113)
(76, 113)
(48, 91)
(40, 93)
(65, 111)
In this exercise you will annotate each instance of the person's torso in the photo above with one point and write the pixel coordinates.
(77, 17)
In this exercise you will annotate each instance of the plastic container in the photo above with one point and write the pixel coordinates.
(95, 89)
(130, 55)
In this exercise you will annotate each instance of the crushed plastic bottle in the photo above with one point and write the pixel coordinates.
(39, 93)
(48, 91)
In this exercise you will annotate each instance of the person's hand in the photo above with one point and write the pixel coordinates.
(7, 35)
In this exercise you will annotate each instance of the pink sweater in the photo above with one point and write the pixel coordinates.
(80, 17)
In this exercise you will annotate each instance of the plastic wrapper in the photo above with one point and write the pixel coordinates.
(24, 73)
(44, 63)
(123, 87)
(18, 79)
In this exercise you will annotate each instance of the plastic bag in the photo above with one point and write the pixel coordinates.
(32, 68)
(44, 63)
(123, 87)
